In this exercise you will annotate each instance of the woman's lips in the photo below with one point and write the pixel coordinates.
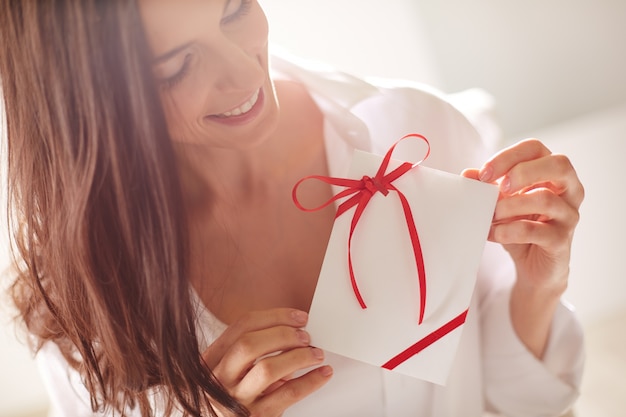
(245, 113)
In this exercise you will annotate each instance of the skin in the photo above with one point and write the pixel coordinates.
(261, 277)
(535, 218)
(262, 273)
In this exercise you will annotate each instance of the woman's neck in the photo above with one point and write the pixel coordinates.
(251, 248)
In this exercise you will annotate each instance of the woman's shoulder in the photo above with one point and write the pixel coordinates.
(460, 126)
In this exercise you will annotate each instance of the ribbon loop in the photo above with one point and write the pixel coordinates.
(360, 193)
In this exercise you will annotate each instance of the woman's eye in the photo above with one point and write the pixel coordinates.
(235, 9)
(177, 77)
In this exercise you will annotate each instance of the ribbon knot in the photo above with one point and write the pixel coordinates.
(373, 185)
(361, 191)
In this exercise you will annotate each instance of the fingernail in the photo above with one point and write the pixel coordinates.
(303, 336)
(318, 353)
(326, 370)
(300, 317)
(485, 174)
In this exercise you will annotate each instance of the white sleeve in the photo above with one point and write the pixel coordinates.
(68, 396)
(516, 382)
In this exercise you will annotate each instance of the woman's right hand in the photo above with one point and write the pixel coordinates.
(256, 357)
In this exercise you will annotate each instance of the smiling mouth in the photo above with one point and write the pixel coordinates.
(243, 109)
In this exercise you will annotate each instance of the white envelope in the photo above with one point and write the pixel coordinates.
(452, 216)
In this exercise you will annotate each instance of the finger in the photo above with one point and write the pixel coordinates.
(530, 164)
(539, 204)
(245, 351)
(471, 173)
(252, 321)
(554, 172)
(264, 375)
(291, 392)
(273, 387)
(503, 161)
(549, 236)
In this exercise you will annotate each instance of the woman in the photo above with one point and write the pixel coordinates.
(151, 156)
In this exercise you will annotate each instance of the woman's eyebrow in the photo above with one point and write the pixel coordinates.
(167, 55)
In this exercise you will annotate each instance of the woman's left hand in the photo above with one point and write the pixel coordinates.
(536, 212)
(534, 220)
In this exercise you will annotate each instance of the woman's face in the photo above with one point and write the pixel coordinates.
(210, 60)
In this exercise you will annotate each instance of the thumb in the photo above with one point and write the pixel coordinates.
(471, 173)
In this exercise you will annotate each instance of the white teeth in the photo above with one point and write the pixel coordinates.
(244, 108)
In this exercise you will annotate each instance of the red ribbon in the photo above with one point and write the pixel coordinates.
(362, 191)
(426, 341)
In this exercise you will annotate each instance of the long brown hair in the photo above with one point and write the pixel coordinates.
(97, 212)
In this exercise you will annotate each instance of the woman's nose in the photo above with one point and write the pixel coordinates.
(237, 67)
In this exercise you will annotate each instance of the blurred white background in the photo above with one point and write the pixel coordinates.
(556, 70)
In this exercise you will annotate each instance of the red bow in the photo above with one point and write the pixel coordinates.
(362, 191)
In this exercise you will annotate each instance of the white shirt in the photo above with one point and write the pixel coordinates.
(492, 371)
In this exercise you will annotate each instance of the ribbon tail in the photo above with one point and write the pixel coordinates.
(417, 251)
(360, 208)
(425, 342)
